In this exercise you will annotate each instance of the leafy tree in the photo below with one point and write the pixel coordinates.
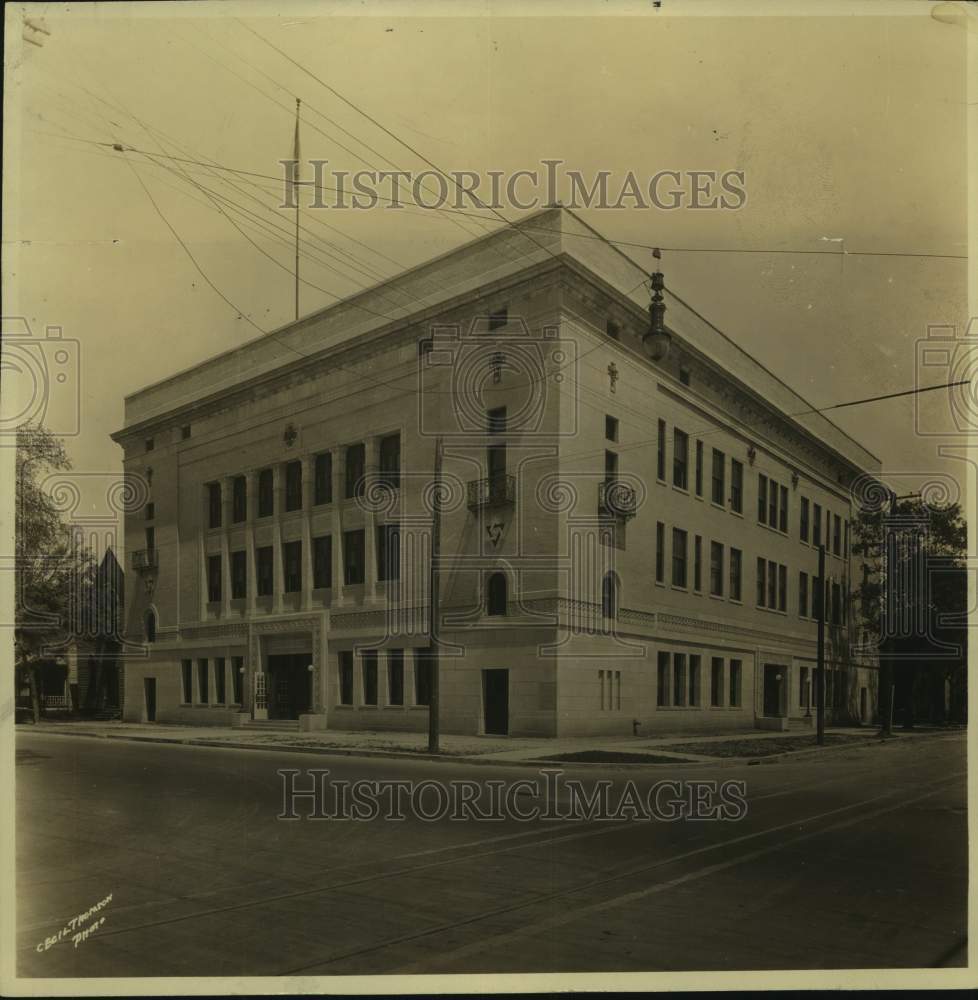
(936, 651)
(50, 566)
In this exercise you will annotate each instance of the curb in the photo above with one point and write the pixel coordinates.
(484, 759)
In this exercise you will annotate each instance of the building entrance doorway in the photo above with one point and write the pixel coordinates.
(495, 700)
(289, 685)
(149, 693)
(775, 676)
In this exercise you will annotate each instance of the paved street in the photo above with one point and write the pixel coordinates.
(854, 858)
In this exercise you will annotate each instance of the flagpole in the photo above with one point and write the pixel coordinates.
(297, 103)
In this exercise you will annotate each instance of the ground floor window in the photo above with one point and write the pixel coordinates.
(346, 677)
(678, 678)
(219, 679)
(736, 669)
(395, 677)
(694, 680)
(370, 677)
(237, 678)
(716, 681)
(187, 679)
(610, 682)
(203, 692)
(662, 690)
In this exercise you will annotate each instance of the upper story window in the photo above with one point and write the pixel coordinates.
(499, 318)
(679, 550)
(266, 493)
(264, 570)
(150, 444)
(151, 626)
(293, 486)
(610, 466)
(718, 477)
(680, 459)
(353, 557)
(239, 499)
(660, 456)
(612, 329)
(355, 460)
(736, 486)
(804, 519)
(836, 535)
(716, 569)
(292, 566)
(816, 525)
(388, 552)
(214, 505)
(150, 538)
(699, 468)
(213, 578)
(150, 511)
(496, 421)
(323, 478)
(497, 597)
(610, 428)
(185, 432)
(684, 376)
(772, 503)
(390, 460)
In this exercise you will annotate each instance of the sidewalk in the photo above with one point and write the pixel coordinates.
(739, 745)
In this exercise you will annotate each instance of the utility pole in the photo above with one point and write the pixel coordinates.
(820, 667)
(297, 196)
(434, 602)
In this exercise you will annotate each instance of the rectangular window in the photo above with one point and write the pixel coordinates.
(694, 680)
(150, 444)
(736, 561)
(395, 677)
(322, 562)
(783, 512)
(264, 570)
(292, 566)
(390, 460)
(678, 557)
(214, 505)
(610, 466)
(219, 680)
(680, 459)
(612, 329)
(237, 678)
(736, 486)
(761, 582)
(803, 525)
(187, 681)
(239, 575)
(601, 685)
(213, 578)
(293, 486)
(660, 552)
(782, 588)
(761, 499)
(239, 499)
(611, 428)
(697, 563)
(185, 432)
(322, 485)
(266, 493)
(662, 686)
(845, 540)
(772, 584)
(836, 534)
(716, 569)
(699, 468)
(150, 535)
(422, 677)
(735, 672)
(660, 463)
(388, 552)
(716, 681)
(836, 604)
(802, 595)
(717, 477)
(353, 559)
(816, 525)
(151, 511)
(203, 694)
(370, 677)
(355, 459)
(817, 595)
(772, 504)
(499, 318)
(496, 421)
(803, 701)
(678, 679)
(346, 677)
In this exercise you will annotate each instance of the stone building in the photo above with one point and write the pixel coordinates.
(627, 542)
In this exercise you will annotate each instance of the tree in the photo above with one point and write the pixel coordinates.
(50, 564)
(929, 588)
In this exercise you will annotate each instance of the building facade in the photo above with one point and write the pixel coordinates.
(625, 545)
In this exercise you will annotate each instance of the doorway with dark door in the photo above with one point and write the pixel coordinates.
(495, 701)
(149, 694)
(774, 684)
(290, 685)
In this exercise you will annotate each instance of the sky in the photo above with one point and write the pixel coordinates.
(850, 131)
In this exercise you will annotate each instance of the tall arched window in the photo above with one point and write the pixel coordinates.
(151, 626)
(496, 596)
(609, 595)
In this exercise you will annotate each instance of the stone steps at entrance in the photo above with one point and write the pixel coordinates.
(273, 725)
